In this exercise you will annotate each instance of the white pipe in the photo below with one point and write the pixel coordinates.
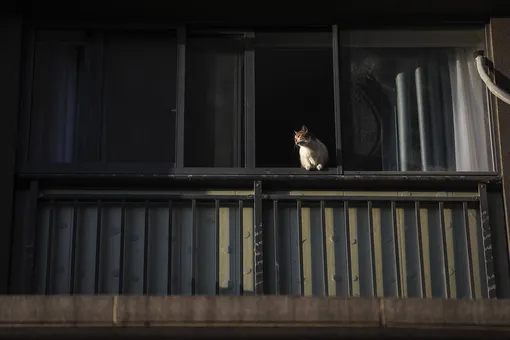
(497, 91)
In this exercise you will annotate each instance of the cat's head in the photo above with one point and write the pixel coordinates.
(303, 136)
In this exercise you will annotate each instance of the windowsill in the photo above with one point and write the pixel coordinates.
(280, 178)
(168, 170)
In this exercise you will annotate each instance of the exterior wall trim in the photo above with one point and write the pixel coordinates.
(252, 311)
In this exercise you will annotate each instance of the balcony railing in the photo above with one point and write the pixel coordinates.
(313, 243)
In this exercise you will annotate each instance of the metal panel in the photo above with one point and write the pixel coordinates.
(347, 245)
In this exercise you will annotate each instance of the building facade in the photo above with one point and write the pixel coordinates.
(152, 179)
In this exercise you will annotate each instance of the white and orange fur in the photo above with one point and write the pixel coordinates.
(313, 154)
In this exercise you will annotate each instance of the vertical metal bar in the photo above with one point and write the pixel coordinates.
(249, 100)
(241, 248)
(29, 248)
(217, 241)
(98, 249)
(396, 244)
(122, 246)
(336, 91)
(170, 242)
(465, 224)
(417, 216)
(487, 241)
(276, 248)
(194, 241)
(248, 251)
(74, 245)
(146, 250)
(259, 245)
(348, 248)
(49, 257)
(324, 248)
(181, 88)
(445, 255)
(300, 247)
(372, 247)
(305, 238)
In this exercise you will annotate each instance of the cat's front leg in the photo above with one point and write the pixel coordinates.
(305, 163)
(319, 167)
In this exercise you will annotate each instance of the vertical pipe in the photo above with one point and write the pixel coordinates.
(403, 121)
(396, 244)
(276, 248)
(422, 119)
(98, 249)
(487, 241)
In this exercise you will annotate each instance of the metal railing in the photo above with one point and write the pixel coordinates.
(319, 243)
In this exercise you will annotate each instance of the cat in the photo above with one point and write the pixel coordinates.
(312, 152)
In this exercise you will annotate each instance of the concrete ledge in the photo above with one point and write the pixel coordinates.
(30, 309)
(249, 311)
(445, 313)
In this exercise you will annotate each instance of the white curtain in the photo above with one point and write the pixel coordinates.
(469, 104)
(441, 113)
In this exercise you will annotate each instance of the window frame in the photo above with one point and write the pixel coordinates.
(177, 168)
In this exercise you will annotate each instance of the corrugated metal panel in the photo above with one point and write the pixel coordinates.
(108, 248)
(315, 244)
(378, 249)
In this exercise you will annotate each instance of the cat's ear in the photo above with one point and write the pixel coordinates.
(304, 128)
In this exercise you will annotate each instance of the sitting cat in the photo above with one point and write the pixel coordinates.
(312, 152)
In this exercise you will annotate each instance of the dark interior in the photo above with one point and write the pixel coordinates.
(293, 87)
(213, 104)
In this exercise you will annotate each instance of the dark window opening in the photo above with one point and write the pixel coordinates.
(214, 102)
(103, 97)
(293, 87)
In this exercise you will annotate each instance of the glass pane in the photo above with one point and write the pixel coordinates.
(110, 100)
(293, 87)
(416, 102)
(213, 105)
(54, 99)
(139, 97)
